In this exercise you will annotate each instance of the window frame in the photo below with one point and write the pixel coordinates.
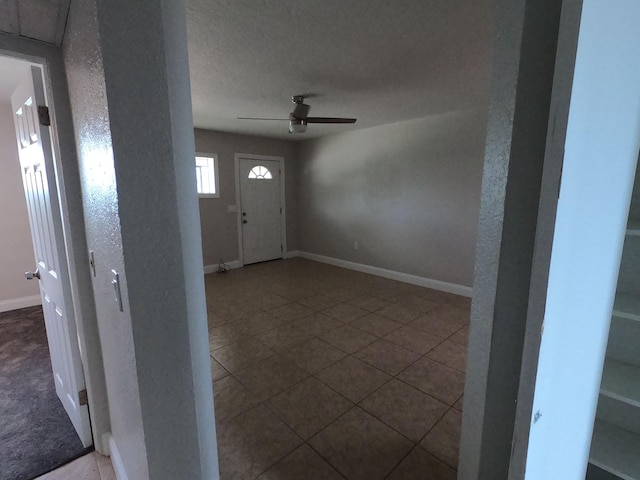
(262, 176)
(216, 182)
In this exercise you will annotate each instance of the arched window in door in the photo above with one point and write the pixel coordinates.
(261, 173)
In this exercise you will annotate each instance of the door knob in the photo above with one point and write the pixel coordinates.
(32, 275)
(244, 221)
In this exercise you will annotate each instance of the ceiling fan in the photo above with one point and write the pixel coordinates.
(299, 118)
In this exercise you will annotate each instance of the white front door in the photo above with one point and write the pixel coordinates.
(261, 209)
(38, 175)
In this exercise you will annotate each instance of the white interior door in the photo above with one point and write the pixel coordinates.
(36, 161)
(261, 209)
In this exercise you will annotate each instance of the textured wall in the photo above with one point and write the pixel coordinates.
(144, 51)
(122, 76)
(408, 193)
(519, 112)
(16, 250)
(100, 198)
(219, 227)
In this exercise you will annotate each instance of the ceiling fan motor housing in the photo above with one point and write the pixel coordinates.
(297, 125)
(298, 118)
(301, 109)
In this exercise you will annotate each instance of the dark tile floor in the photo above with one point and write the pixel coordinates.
(325, 373)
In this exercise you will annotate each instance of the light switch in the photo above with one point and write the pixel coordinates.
(232, 208)
(115, 282)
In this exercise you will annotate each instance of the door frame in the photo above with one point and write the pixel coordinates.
(75, 252)
(594, 105)
(283, 217)
(64, 347)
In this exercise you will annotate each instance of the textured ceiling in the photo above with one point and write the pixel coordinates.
(377, 60)
(42, 20)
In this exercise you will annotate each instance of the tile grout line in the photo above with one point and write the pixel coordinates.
(340, 301)
(315, 375)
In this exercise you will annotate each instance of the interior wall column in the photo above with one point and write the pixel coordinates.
(519, 112)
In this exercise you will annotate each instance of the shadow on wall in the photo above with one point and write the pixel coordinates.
(408, 193)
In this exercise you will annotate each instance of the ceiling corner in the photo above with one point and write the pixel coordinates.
(63, 14)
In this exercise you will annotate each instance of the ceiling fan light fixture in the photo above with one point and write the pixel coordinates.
(299, 118)
(297, 125)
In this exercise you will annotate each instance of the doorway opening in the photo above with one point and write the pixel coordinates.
(47, 416)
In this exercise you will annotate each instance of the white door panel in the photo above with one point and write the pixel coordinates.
(38, 175)
(261, 209)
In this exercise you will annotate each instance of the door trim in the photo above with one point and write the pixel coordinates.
(69, 191)
(62, 330)
(283, 217)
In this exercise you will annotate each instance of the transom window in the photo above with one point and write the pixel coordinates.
(261, 173)
(207, 175)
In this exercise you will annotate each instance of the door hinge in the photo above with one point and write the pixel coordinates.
(82, 396)
(281, 249)
(280, 210)
(43, 116)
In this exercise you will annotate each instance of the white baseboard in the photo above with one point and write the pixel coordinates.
(291, 254)
(104, 444)
(391, 274)
(214, 268)
(116, 460)
(16, 303)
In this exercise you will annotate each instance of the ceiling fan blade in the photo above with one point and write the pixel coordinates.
(330, 120)
(259, 118)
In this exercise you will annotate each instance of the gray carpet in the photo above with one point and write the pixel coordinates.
(36, 435)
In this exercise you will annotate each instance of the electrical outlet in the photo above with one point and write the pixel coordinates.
(356, 245)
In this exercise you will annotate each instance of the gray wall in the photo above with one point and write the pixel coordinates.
(16, 249)
(144, 47)
(408, 193)
(102, 223)
(127, 67)
(523, 73)
(219, 227)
